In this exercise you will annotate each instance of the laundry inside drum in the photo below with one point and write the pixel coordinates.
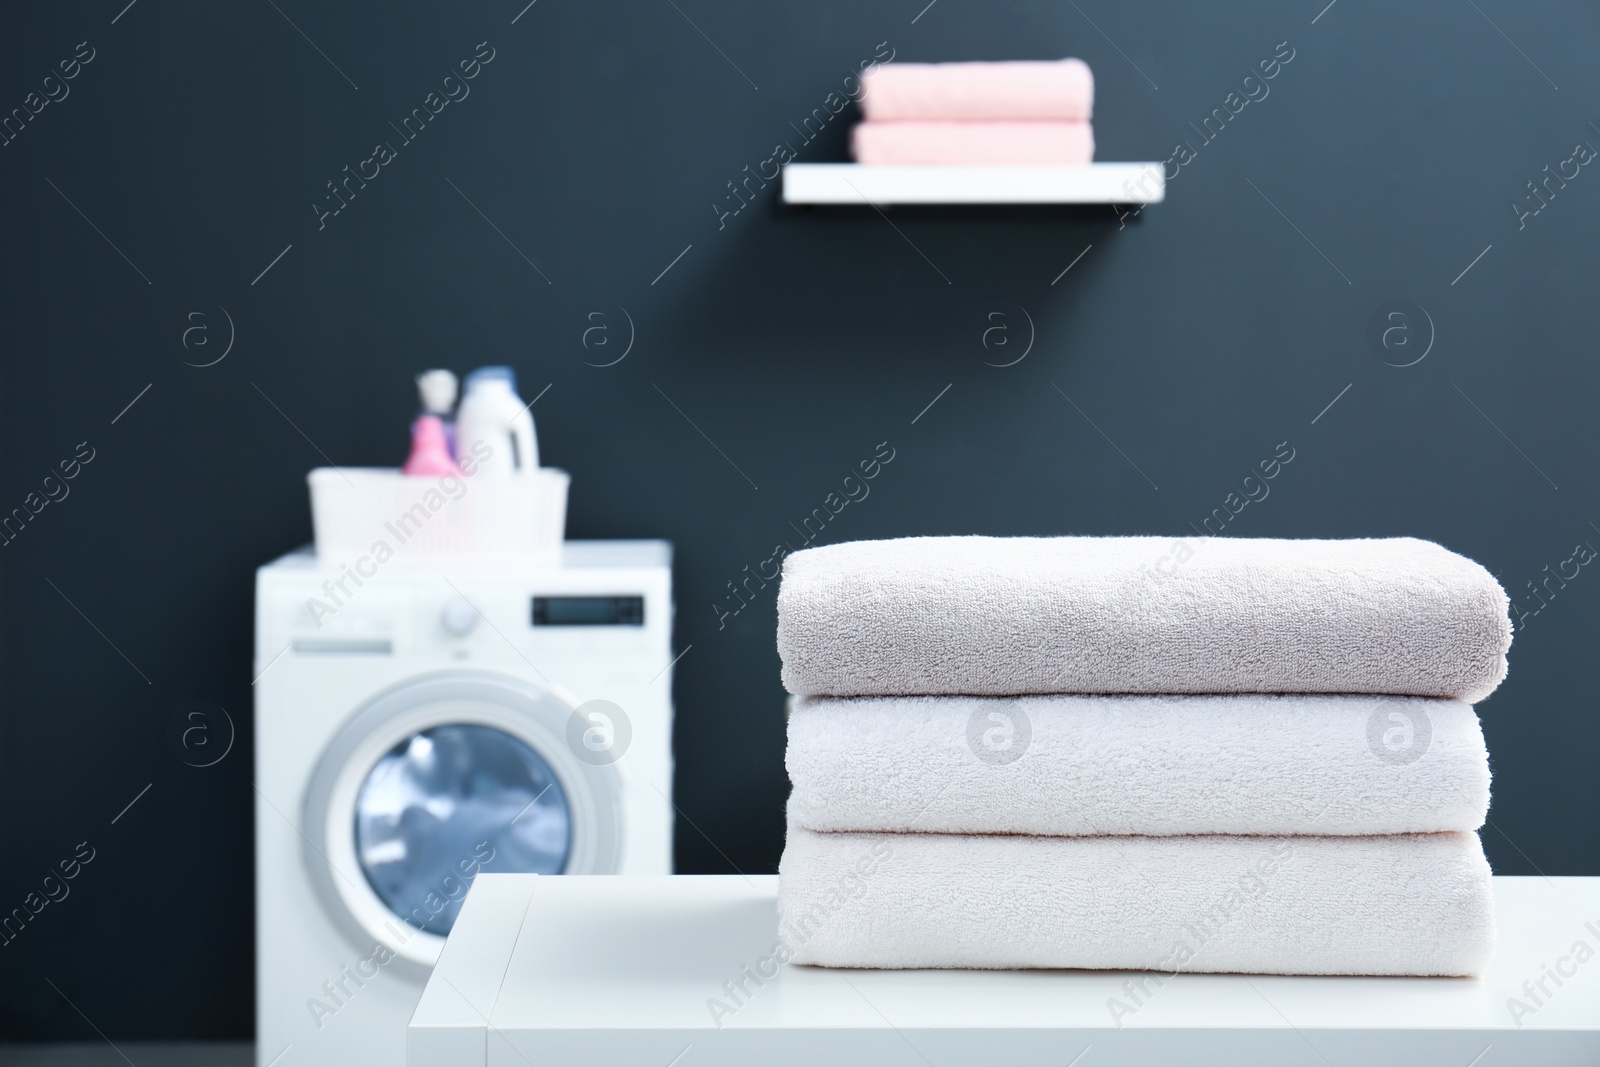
(449, 802)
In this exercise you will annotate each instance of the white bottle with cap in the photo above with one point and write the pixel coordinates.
(493, 415)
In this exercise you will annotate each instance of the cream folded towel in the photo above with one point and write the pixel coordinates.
(1025, 143)
(1414, 904)
(1155, 765)
(1018, 89)
(1003, 616)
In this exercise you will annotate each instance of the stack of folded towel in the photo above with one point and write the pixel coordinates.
(1017, 112)
(1239, 755)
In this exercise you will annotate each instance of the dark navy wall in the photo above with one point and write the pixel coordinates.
(192, 150)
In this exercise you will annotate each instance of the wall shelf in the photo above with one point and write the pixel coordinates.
(881, 184)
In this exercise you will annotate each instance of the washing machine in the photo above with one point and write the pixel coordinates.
(419, 724)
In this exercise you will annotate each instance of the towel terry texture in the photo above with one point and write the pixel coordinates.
(1039, 143)
(1008, 616)
(1395, 905)
(1025, 89)
(1148, 765)
(1215, 754)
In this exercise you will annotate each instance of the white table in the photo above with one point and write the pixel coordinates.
(615, 970)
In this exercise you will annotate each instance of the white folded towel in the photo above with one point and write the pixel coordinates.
(1156, 765)
(1413, 904)
(997, 616)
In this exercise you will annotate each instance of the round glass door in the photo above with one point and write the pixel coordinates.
(437, 779)
(449, 801)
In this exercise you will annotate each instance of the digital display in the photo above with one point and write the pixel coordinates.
(588, 611)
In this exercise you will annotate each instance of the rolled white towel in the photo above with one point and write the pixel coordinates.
(1412, 904)
(1156, 765)
(1011, 615)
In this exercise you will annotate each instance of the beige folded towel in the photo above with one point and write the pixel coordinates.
(1005, 616)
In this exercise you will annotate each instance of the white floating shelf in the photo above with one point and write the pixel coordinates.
(874, 183)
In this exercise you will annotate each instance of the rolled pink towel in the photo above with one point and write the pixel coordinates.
(1061, 89)
(973, 142)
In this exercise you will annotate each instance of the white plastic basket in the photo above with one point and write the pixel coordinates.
(354, 509)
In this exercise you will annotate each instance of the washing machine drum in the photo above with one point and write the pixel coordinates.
(438, 780)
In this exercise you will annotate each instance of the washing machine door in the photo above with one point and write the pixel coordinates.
(438, 779)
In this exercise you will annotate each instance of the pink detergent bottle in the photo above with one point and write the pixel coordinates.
(430, 451)
(438, 391)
